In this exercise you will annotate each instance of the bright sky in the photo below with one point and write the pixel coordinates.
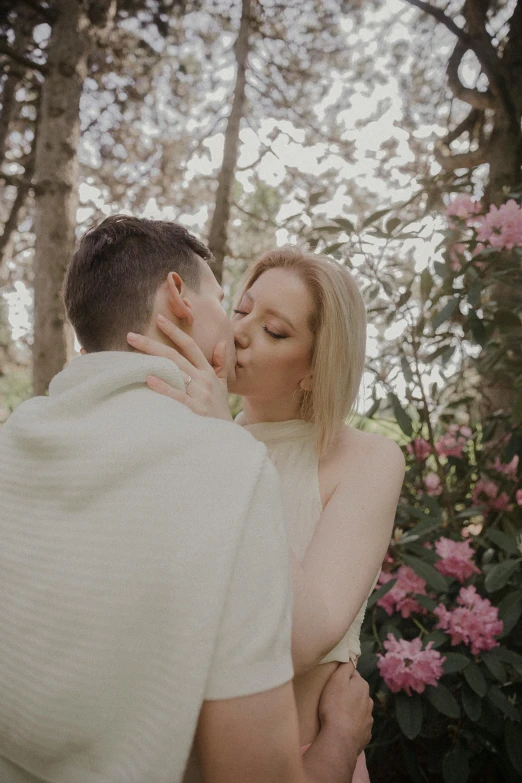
(288, 152)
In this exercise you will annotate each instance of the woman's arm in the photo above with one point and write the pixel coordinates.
(348, 545)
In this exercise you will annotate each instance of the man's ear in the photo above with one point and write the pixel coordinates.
(306, 383)
(178, 304)
(83, 351)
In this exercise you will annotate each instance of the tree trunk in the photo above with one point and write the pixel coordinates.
(505, 162)
(56, 185)
(218, 235)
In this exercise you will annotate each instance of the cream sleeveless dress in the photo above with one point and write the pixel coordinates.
(291, 446)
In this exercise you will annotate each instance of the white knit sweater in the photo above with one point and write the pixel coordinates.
(143, 569)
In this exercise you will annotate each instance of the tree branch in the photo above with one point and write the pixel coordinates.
(476, 98)
(464, 160)
(19, 58)
(447, 21)
(479, 44)
(46, 13)
(466, 126)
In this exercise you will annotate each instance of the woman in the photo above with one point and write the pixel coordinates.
(300, 332)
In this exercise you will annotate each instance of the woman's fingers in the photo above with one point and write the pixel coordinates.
(184, 342)
(155, 348)
(219, 361)
(157, 385)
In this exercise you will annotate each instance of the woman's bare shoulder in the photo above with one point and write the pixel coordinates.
(369, 448)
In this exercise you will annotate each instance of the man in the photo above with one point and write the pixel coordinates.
(144, 572)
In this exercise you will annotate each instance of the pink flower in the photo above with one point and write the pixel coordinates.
(463, 207)
(457, 255)
(432, 484)
(406, 666)
(492, 500)
(474, 622)
(502, 226)
(456, 559)
(400, 597)
(420, 448)
(519, 497)
(509, 469)
(452, 443)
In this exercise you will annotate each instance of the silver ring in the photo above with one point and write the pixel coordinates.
(187, 382)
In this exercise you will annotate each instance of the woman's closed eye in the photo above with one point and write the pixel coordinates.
(265, 328)
(274, 335)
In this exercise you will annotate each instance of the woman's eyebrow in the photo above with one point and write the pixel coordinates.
(270, 311)
(281, 317)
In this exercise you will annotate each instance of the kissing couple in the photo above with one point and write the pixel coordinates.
(183, 594)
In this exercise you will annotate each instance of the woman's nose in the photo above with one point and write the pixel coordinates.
(240, 335)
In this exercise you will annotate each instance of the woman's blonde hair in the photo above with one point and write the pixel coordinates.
(339, 327)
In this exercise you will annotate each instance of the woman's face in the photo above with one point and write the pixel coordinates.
(274, 341)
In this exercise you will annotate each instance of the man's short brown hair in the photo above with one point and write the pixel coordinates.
(112, 279)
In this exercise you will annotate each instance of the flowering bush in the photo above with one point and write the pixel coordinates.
(442, 638)
(442, 646)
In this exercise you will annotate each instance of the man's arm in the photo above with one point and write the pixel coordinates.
(256, 738)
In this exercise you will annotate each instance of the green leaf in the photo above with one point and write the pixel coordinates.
(392, 224)
(505, 319)
(374, 217)
(500, 700)
(446, 313)
(455, 662)
(500, 574)
(367, 664)
(426, 284)
(475, 679)
(403, 298)
(373, 410)
(509, 611)
(345, 224)
(440, 269)
(495, 667)
(443, 700)
(426, 526)
(471, 702)
(427, 572)
(403, 420)
(378, 594)
(316, 197)
(408, 711)
(503, 541)
(327, 229)
(334, 247)
(474, 293)
(437, 637)
(455, 767)
(427, 602)
(513, 745)
(406, 369)
(508, 656)
(476, 325)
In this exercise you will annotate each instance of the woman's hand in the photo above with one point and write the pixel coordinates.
(206, 390)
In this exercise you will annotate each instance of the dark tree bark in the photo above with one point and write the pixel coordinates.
(218, 234)
(56, 179)
(501, 149)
